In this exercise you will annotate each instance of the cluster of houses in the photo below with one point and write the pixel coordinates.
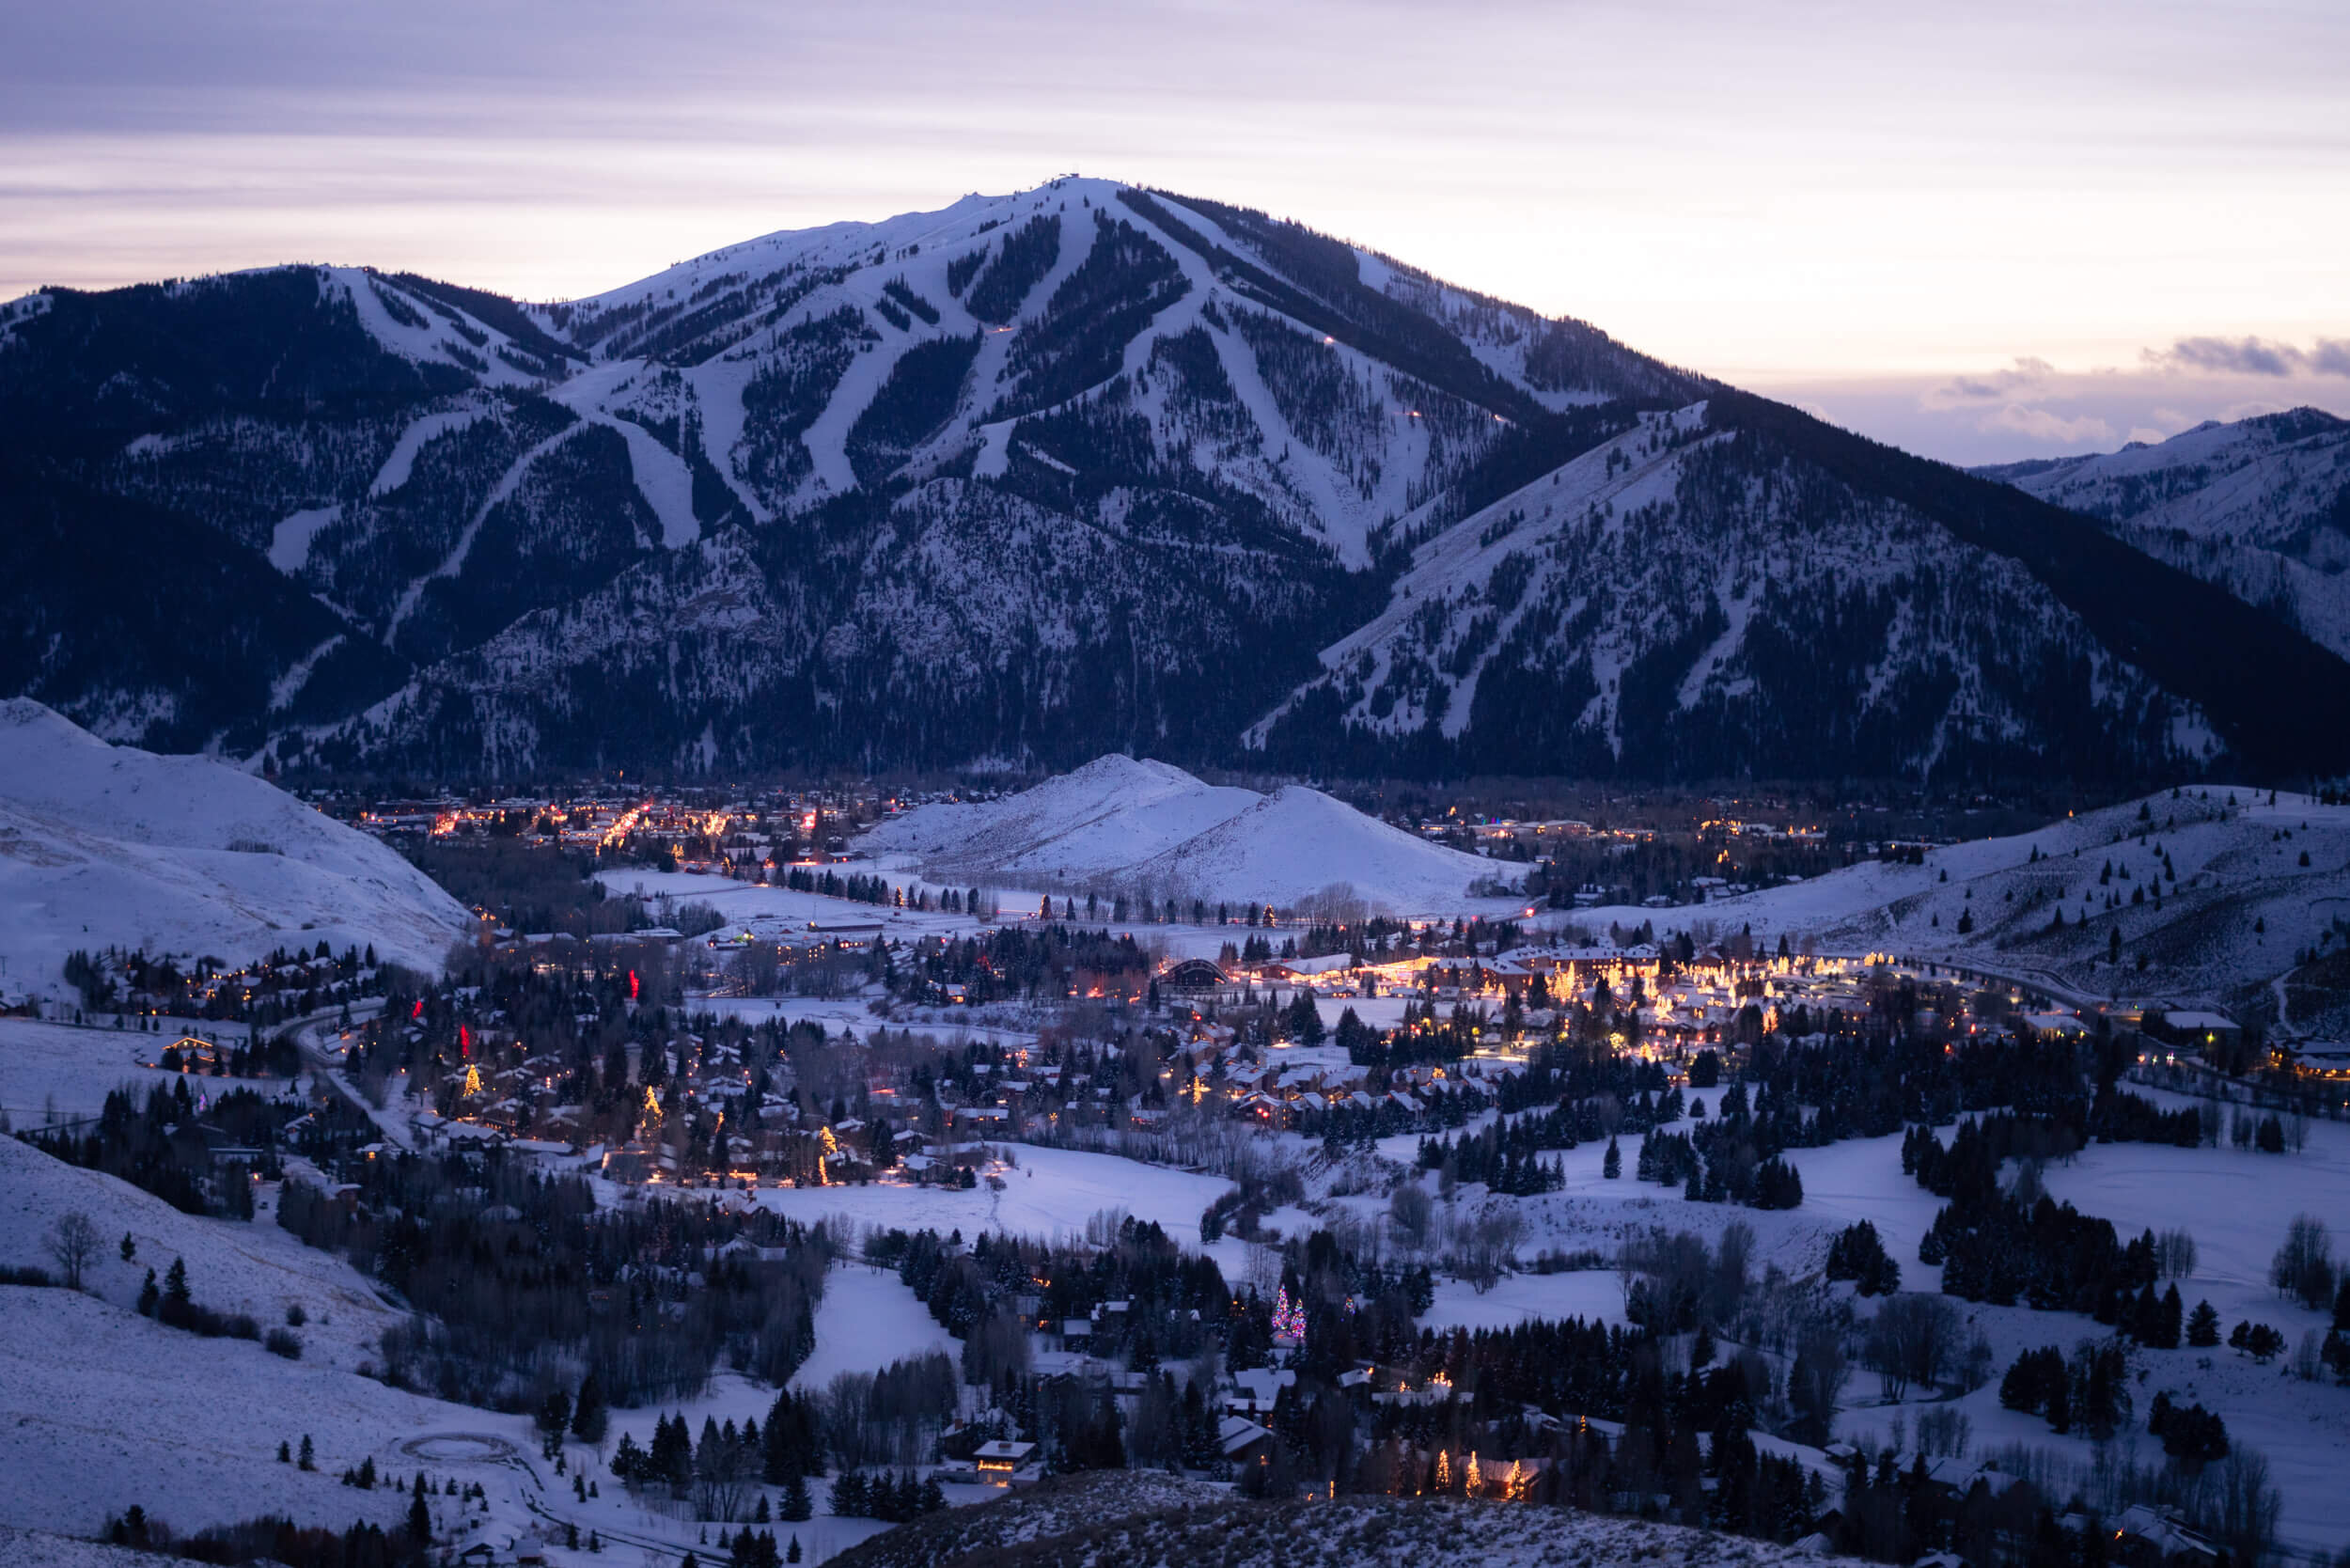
(715, 835)
(2142, 1536)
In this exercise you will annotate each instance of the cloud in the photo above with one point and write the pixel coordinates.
(2041, 425)
(2251, 356)
(2028, 373)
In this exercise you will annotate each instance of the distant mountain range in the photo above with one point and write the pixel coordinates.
(2261, 508)
(1082, 469)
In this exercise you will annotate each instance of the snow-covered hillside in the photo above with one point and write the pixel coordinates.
(2216, 888)
(1129, 827)
(99, 1405)
(252, 1268)
(104, 846)
(2261, 507)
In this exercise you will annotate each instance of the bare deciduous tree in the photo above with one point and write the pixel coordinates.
(1409, 1212)
(1912, 1339)
(73, 1243)
(2304, 1267)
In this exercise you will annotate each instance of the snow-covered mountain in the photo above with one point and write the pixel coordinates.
(1155, 832)
(1037, 477)
(103, 846)
(2260, 506)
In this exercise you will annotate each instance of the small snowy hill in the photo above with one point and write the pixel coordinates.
(103, 845)
(1296, 842)
(1113, 811)
(2261, 507)
(2242, 904)
(1121, 825)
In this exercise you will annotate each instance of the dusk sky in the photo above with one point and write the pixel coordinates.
(1984, 232)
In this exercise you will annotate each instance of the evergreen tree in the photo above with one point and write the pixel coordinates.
(309, 1455)
(2167, 1319)
(589, 1411)
(792, 1555)
(2203, 1327)
(419, 1518)
(796, 1505)
(149, 1296)
(1613, 1166)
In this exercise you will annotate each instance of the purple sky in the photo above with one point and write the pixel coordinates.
(1984, 232)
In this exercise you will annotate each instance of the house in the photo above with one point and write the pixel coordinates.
(1254, 1392)
(1002, 1462)
(1194, 975)
(631, 1164)
(2196, 1031)
(1243, 1441)
(2148, 1537)
(2316, 1059)
(1307, 969)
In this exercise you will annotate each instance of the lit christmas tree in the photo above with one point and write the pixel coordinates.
(1289, 1318)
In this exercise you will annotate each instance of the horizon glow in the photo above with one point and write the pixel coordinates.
(1823, 201)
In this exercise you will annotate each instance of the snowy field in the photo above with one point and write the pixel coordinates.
(866, 1320)
(1052, 1194)
(774, 912)
(71, 1070)
(1526, 1298)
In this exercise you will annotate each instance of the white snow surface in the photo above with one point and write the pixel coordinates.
(866, 1320)
(1120, 822)
(290, 541)
(70, 1069)
(1051, 1195)
(103, 845)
